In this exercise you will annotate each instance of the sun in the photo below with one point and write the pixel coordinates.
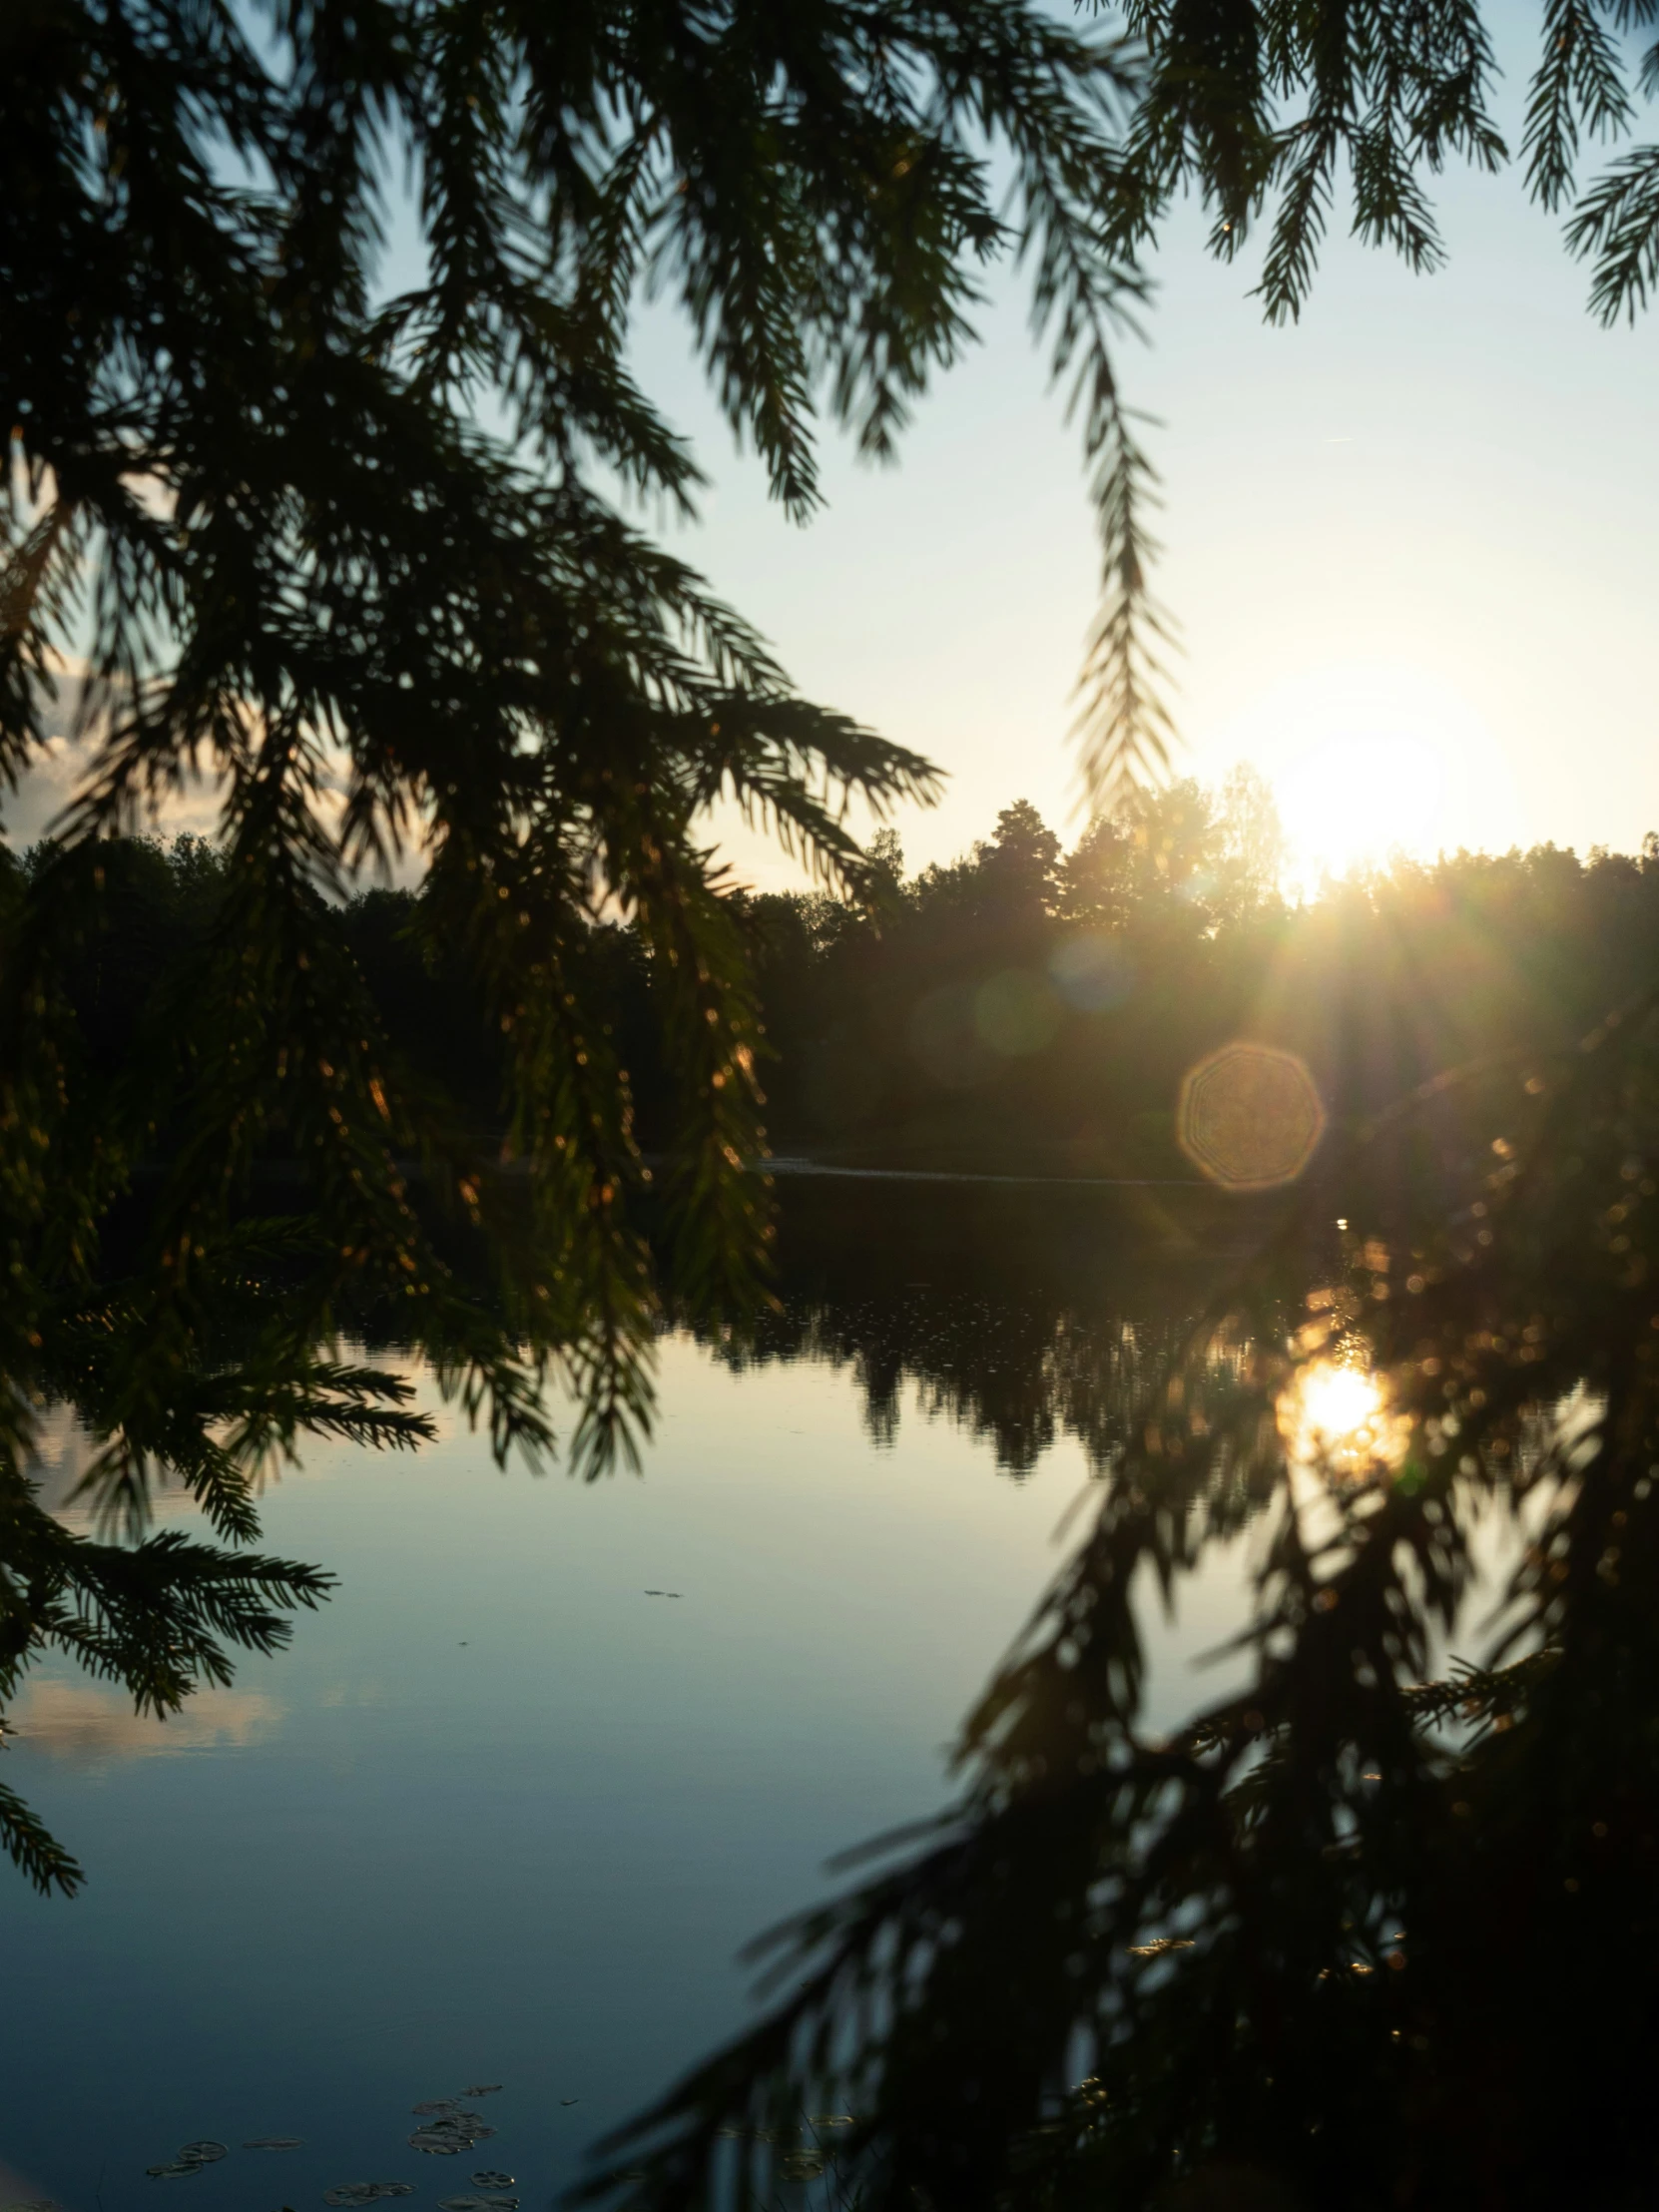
(1369, 760)
(1350, 799)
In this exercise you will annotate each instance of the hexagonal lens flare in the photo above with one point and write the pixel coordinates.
(1250, 1116)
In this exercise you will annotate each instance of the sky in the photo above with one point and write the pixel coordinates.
(1408, 542)
(1408, 545)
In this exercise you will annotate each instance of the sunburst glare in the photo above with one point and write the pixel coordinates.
(1369, 760)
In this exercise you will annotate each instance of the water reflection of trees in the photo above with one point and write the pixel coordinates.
(1354, 1937)
(1021, 1312)
(1015, 1373)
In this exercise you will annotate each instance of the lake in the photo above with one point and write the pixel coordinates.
(510, 1805)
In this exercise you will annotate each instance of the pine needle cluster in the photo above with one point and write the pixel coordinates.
(1268, 114)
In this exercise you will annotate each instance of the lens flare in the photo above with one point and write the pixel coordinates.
(1250, 1117)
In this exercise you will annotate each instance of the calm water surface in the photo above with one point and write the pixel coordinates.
(501, 1816)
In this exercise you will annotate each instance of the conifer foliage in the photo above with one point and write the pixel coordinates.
(351, 536)
(1269, 114)
(355, 539)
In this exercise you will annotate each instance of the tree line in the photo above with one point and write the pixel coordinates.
(1022, 1006)
(1028, 1001)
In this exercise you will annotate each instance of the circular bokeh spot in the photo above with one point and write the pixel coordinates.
(1016, 1013)
(1250, 1116)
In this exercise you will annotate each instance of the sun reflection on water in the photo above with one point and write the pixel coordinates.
(1335, 1417)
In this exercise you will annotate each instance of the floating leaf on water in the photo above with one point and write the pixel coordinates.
(447, 2136)
(365, 2192)
(178, 2166)
(438, 2104)
(482, 2089)
(570, 2101)
(491, 2179)
(275, 2142)
(478, 2204)
(204, 2153)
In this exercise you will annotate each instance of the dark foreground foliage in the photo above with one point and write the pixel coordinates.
(367, 563)
(160, 1612)
(1351, 1938)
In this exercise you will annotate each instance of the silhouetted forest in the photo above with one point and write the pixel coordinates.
(1024, 1007)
